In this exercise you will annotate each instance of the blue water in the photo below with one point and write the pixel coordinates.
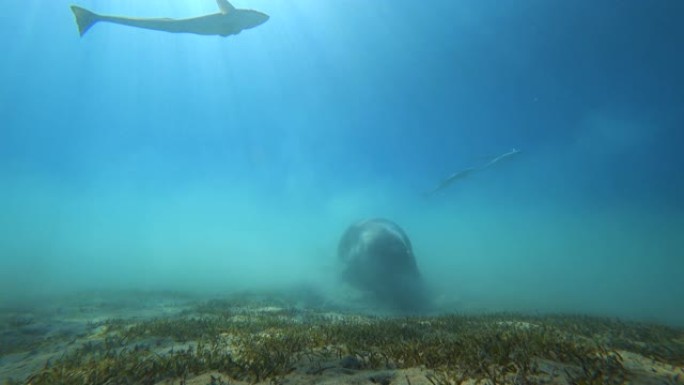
(149, 160)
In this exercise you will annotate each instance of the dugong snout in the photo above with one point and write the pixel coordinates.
(378, 258)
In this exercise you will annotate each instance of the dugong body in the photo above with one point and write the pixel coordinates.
(378, 259)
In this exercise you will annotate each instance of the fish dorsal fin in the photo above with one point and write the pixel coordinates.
(225, 6)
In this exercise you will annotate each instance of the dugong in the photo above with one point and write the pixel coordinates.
(378, 259)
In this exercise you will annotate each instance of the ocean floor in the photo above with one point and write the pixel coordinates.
(268, 338)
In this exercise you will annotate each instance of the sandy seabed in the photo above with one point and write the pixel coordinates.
(267, 338)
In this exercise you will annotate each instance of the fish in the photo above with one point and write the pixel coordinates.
(228, 21)
(501, 157)
(451, 179)
(468, 171)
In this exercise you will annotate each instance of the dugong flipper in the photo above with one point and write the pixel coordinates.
(378, 259)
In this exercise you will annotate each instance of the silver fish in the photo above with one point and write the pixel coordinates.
(229, 21)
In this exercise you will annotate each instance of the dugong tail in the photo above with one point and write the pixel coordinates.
(84, 18)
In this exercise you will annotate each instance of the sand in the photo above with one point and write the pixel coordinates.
(110, 338)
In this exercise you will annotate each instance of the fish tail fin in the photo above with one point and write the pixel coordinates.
(84, 18)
